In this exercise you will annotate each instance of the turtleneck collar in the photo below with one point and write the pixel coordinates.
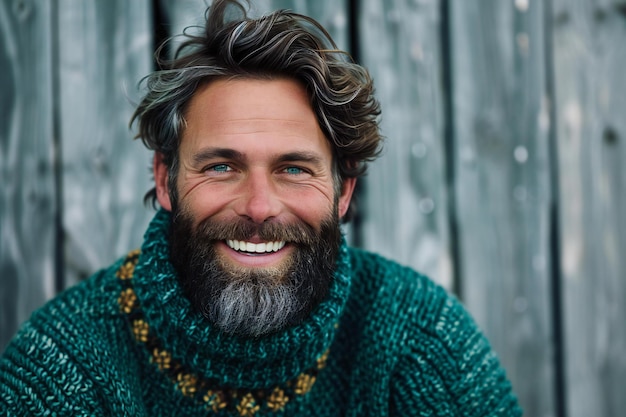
(233, 360)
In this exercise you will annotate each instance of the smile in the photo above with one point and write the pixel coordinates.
(249, 247)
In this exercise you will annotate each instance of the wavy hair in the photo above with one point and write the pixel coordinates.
(280, 44)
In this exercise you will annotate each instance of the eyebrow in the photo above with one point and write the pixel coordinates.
(231, 154)
(213, 153)
(309, 157)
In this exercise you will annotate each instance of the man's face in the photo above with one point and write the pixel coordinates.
(256, 199)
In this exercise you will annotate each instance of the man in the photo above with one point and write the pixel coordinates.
(244, 298)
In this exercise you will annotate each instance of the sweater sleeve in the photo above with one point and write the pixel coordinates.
(71, 358)
(449, 369)
(38, 378)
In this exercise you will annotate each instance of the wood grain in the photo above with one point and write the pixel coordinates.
(503, 186)
(28, 199)
(589, 62)
(104, 50)
(405, 200)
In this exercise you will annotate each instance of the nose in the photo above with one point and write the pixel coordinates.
(259, 201)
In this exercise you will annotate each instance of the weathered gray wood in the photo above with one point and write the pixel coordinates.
(405, 203)
(503, 188)
(332, 14)
(27, 159)
(104, 50)
(590, 84)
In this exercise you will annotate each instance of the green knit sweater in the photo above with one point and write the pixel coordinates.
(126, 342)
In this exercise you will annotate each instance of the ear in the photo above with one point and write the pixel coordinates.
(346, 195)
(159, 169)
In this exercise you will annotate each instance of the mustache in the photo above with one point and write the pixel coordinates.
(297, 232)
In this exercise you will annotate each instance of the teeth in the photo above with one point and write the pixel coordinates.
(240, 245)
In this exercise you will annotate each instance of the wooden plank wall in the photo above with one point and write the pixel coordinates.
(502, 186)
(105, 47)
(28, 201)
(590, 94)
(405, 198)
(72, 178)
(502, 177)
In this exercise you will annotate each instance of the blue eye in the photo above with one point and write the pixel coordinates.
(294, 170)
(220, 168)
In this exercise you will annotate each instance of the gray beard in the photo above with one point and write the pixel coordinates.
(247, 301)
(255, 310)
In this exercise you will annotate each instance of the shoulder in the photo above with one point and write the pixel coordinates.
(433, 352)
(67, 348)
(73, 313)
(406, 300)
(391, 287)
(377, 269)
(94, 297)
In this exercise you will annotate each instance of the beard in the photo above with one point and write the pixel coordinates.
(251, 301)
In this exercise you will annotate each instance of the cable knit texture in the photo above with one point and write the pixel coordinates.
(126, 342)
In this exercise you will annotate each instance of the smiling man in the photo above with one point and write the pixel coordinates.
(244, 298)
(256, 194)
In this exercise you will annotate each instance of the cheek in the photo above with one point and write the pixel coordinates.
(310, 204)
(201, 203)
(313, 209)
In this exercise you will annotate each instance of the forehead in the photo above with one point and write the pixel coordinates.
(252, 112)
